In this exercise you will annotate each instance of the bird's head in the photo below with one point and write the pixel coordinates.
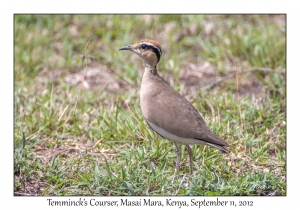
(148, 50)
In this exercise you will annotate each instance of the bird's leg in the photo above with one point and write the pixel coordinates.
(178, 151)
(189, 149)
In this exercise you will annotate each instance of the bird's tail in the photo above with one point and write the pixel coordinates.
(219, 147)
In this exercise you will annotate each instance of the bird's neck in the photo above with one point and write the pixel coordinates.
(151, 76)
(150, 69)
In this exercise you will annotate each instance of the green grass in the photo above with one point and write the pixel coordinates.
(96, 141)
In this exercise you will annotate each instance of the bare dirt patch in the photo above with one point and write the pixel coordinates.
(204, 77)
(98, 77)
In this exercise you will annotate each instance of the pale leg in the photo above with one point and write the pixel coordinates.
(189, 149)
(178, 151)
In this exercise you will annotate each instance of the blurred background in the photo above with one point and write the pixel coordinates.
(60, 117)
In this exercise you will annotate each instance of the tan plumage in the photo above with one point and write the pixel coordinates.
(166, 111)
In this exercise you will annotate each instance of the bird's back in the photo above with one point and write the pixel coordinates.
(160, 103)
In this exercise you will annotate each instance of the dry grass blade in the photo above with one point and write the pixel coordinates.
(76, 102)
(223, 79)
(238, 92)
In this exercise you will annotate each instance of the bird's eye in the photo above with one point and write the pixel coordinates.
(144, 46)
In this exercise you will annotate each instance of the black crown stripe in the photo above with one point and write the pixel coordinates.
(156, 50)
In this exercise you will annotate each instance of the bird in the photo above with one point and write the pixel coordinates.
(167, 112)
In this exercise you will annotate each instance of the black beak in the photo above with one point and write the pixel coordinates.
(126, 48)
